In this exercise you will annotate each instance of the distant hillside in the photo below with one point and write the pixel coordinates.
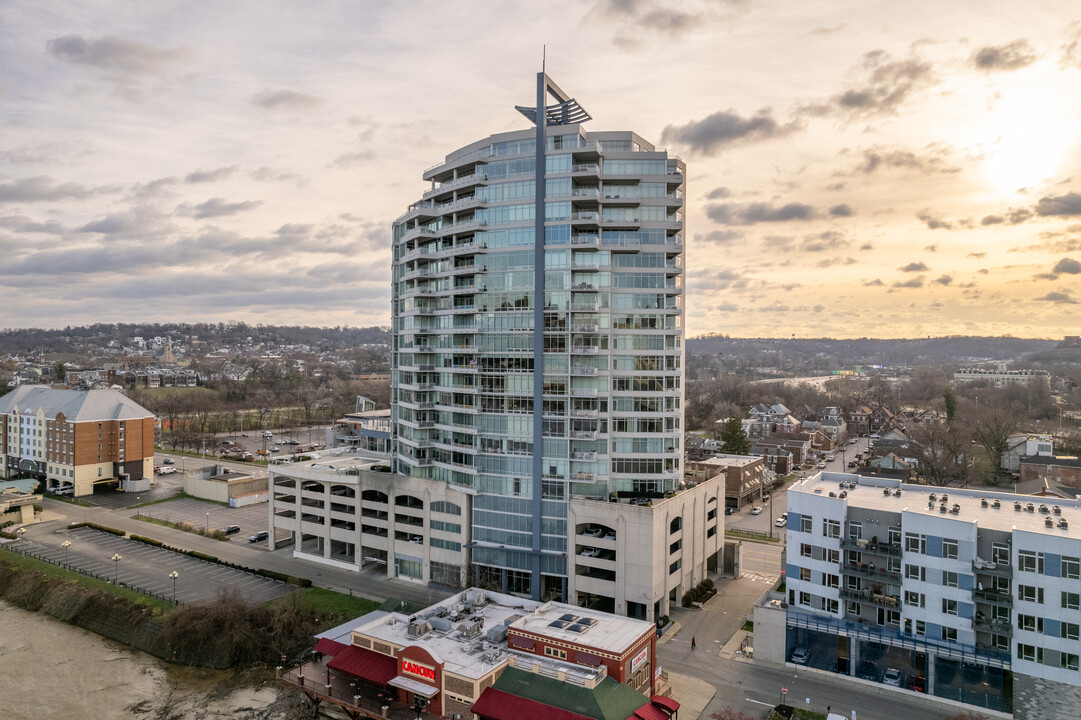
(74, 339)
(870, 351)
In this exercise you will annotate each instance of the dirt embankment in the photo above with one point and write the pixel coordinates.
(226, 633)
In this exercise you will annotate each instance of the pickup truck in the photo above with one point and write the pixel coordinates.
(165, 470)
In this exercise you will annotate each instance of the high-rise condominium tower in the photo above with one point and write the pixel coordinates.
(538, 333)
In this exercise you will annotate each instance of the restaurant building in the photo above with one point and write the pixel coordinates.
(480, 654)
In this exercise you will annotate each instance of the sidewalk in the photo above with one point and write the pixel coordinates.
(694, 695)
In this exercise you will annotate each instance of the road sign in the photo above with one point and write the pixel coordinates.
(784, 690)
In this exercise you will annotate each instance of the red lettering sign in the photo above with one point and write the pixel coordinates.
(408, 666)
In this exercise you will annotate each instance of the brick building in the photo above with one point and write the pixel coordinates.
(75, 438)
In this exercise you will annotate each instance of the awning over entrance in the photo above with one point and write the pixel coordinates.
(414, 686)
(329, 647)
(498, 705)
(649, 711)
(666, 703)
(365, 664)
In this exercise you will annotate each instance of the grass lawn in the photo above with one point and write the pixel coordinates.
(752, 536)
(337, 606)
(748, 626)
(90, 583)
(215, 533)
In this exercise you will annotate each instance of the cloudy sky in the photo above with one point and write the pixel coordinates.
(855, 167)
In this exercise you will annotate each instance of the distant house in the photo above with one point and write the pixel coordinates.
(1020, 445)
(777, 459)
(859, 420)
(778, 410)
(798, 444)
(1063, 471)
(835, 427)
(787, 424)
(756, 427)
(891, 462)
(879, 418)
(759, 410)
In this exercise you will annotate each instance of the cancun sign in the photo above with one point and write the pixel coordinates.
(415, 668)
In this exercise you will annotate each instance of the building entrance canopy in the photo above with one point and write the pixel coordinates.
(414, 686)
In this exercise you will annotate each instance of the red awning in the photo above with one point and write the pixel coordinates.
(365, 664)
(585, 658)
(521, 642)
(498, 705)
(329, 647)
(649, 711)
(665, 703)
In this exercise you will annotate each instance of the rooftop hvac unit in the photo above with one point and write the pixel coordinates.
(472, 628)
(419, 629)
(497, 634)
(441, 624)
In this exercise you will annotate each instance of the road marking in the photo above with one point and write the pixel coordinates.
(759, 702)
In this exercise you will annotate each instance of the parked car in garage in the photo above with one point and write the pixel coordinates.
(259, 536)
(892, 676)
(867, 671)
(800, 656)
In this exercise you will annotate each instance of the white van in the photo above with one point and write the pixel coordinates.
(268, 434)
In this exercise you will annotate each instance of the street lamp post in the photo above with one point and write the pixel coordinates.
(66, 544)
(208, 522)
(138, 510)
(116, 568)
(174, 575)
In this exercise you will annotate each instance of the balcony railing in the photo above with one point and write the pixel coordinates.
(865, 546)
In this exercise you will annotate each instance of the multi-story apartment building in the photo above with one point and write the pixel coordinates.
(537, 385)
(75, 438)
(1002, 377)
(538, 334)
(963, 594)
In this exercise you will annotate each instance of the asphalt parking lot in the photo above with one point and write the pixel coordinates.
(145, 567)
(200, 513)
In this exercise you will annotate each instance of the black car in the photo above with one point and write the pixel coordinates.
(867, 671)
(167, 461)
(259, 536)
(231, 529)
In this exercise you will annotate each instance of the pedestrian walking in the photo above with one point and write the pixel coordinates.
(693, 643)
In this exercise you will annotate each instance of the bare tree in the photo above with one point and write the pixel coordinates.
(992, 427)
(942, 452)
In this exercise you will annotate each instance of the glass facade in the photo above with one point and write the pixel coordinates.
(466, 388)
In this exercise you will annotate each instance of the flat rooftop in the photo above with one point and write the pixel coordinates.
(465, 655)
(573, 624)
(730, 460)
(869, 492)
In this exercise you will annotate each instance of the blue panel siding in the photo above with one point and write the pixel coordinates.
(966, 582)
(934, 631)
(934, 546)
(792, 571)
(1052, 627)
(964, 610)
(794, 520)
(1052, 564)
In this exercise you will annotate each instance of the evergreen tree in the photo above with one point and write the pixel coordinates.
(951, 403)
(733, 439)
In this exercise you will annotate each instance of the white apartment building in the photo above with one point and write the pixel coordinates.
(963, 594)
